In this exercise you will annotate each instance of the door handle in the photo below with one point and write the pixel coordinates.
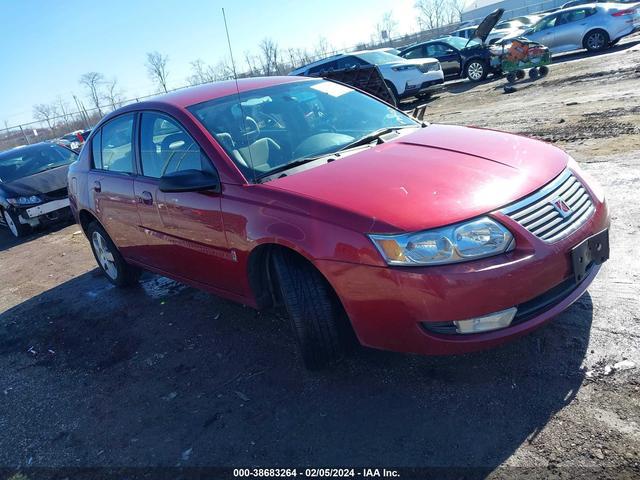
(146, 198)
(97, 187)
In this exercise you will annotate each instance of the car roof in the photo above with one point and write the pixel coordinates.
(317, 62)
(192, 95)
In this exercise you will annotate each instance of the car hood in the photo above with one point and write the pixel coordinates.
(42, 182)
(435, 176)
(486, 25)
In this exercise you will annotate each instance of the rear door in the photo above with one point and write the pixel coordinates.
(570, 29)
(184, 230)
(111, 183)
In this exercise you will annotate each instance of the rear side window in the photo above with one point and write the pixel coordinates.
(116, 154)
(166, 147)
(415, 53)
(325, 67)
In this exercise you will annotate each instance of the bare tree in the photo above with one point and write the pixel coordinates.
(298, 57)
(432, 13)
(205, 73)
(45, 112)
(113, 94)
(92, 81)
(456, 7)
(157, 68)
(251, 62)
(322, 48)
(386, 27)
(269, 57)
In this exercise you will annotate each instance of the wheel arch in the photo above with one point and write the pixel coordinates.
(260, 274)
(86, 218)
(595, 29)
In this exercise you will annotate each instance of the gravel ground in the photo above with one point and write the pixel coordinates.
(164, 375)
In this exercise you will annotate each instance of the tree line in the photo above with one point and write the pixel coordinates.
(104, 93)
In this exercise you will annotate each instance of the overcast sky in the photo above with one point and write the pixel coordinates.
(45, 46)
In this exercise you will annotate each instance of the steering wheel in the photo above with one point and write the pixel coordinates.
(250, 130)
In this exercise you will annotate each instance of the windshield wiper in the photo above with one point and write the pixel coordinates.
(288, 166)
(375, 135)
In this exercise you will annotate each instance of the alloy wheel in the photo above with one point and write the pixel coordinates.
(11, 224)
(475, 71)
(104, 255)
(596, 41)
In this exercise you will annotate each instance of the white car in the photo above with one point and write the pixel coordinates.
(405, 78)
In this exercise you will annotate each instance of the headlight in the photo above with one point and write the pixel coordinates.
(400, 68)
(24, 200)
(456, 243)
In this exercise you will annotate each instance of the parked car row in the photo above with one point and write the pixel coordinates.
(73, 140)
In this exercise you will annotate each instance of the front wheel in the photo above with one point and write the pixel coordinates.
(476, 70)
(317, 318)
(596, 40)
(17, 229)
(111, 262)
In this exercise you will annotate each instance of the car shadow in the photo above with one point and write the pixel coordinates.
(7, 240)
(579, 54)
(174, 376)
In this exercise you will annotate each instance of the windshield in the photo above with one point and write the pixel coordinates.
(377, 58)
(459, 43)
(272, 127)
(24, 161)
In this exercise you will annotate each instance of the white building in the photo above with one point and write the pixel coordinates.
(476, 10)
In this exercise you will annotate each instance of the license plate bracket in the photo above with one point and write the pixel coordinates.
(592, 250)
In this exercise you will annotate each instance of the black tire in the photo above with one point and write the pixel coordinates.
(317, 318)
(117, 270)
(520, 74)
(476, 70)
(534, 74)
(596, 40)
(394, 92)
(511, 77)
(543, 71)
(16, 228)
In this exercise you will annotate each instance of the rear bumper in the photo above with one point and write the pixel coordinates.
(390, 307)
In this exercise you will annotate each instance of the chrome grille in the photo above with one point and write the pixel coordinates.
(538, 214)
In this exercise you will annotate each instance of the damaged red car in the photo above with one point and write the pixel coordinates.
(357, 219)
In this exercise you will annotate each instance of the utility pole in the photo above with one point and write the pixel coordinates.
(24, 135)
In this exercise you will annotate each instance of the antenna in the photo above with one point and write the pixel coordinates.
(235, 77)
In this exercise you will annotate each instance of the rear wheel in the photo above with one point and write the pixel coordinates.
(317, 318)
(17, 229)
(596, 40)
(543, 71)
(511, 77)
(111, 262)
(534, 74)
(476, 70)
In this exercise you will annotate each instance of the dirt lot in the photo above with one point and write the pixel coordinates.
(164, 375)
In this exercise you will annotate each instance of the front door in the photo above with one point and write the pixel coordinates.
(184, 230)
(448, 57)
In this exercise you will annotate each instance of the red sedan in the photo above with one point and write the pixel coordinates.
(356, 218)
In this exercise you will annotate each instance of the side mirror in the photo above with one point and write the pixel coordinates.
(189, 181)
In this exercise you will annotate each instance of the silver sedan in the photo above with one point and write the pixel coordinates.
(594, 26)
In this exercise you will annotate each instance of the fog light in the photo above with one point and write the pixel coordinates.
(493, 321)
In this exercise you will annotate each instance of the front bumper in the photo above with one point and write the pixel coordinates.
(391, 308)
(44, 213)
(429, 86)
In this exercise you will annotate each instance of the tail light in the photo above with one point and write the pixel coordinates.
(628, 11)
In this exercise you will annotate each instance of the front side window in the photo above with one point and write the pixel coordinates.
(166, 147)
(266, 129)
(116, 154)
(415, 53)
